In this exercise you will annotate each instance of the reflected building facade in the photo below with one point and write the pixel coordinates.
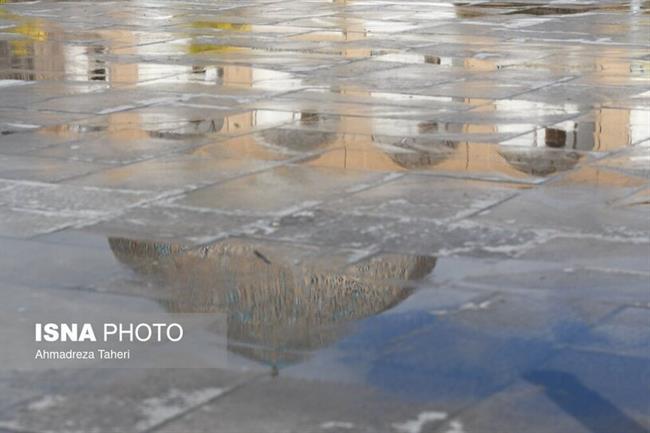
(352, 139)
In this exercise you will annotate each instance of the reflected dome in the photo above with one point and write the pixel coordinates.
(297, 139)
(540, 162)
(410, 157)
(278, 305)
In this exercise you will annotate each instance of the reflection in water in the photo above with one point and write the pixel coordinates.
(297, 140)
(471, 10)
(277, 310)
(593, 411)
(183, 122)
(283, 303)
(387, 153)
(413, 158)
(43, 50)
(537, 162)
(30, 53)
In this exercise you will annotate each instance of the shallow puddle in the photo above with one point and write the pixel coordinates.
(373, 216)
(280, 303)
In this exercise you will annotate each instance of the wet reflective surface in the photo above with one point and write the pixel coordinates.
(396, 216)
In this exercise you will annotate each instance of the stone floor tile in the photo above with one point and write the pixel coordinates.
(75, 201)
(43, 169)
(378, 216)
(270, 145)
(14, 120)
(617, 255)
(574, 93)
(573, 282)
(121, 147)
(171, 173)
(162, 222)
(404, 235)
(613, 383)
(17, 223)
(39, 264)
(278, 190)
(425, 197)
(581, 203)
(31, 140)
(633, 162)
(112, 101)
(24, 93)
(269, 407)
(123, 400)
(624, 333)
(525, 406)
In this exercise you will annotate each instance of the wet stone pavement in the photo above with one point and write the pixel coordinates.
(397, 216)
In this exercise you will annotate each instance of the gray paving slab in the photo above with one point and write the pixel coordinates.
(425, 197)
(123, 400)
(122, 147)
(279, 190)
(77, 201)
(32, 139)
(633, 161)
(323, 407)
(22, 94)
(13, 120)
(380, 216)
(592, 252)
(624, 333)
(536, 406)
(172, 173)
(563, 207)
(405, 235)
(25, 224)
(173, 223)
(574, 282)
(43, 169)
(39, 264)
